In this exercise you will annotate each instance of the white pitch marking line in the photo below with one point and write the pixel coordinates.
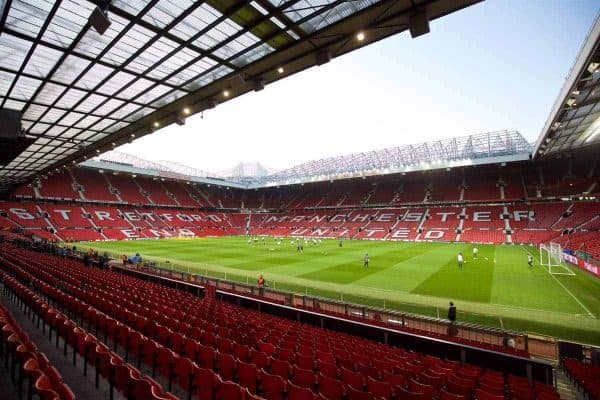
(566, 290)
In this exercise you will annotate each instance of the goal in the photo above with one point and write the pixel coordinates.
(551, 255)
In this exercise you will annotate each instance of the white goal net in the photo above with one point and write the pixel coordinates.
(551, 256)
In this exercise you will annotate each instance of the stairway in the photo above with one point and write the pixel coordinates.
(564, 386)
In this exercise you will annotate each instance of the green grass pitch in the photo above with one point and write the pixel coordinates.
(498, 289)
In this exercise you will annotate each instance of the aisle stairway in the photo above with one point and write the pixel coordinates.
(83, 386)
(564, 386)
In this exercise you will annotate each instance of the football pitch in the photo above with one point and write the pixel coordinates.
(497, 289)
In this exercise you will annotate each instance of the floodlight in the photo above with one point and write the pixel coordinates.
(360, 36)
(99, 20)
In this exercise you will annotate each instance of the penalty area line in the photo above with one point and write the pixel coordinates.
(565, 288)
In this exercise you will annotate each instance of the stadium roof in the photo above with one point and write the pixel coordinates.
(574, 121)
(82, 93)
(483, 148)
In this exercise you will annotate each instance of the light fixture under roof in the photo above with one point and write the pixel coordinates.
(226, 93)
(186, 111)
(280, 70)
(156, 124)
(360, 36)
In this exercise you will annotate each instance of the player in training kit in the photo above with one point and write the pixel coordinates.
(475, 253)
(530, 260)
(460, 260)
(366, 261)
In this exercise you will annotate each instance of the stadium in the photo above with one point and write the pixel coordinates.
(463, 268)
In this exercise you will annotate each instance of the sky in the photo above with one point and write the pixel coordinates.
(493, 66)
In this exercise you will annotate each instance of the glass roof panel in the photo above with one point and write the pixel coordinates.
(302, 8)
(42, 61)
(68, 21)
(142, 112)
(49, 93)
(103, 123)
(13, 51)
(90, 103)
(39, 128)
(87, 121)
(34, 112)
(71, 118)
(94, 76)
(116, 127)
(342, 10)
(27, 17)
(135, 88)
(168, 98)
(14, 104)
(108, 107)
(25, 87)
(6, 79)
(70, 98)
(237, 45)
(151, 55)
(255, 54)
(132, 7)
(165, 11)
(55, 131)
(25, 124)
(196, 21)
(173, 63)
(192, 71)
(131, 42)
(209, 77)
(70, 69)
(152, 94)
(93, 44)
(218, 34)
(116, 83)
(124, 111)
(69, 133)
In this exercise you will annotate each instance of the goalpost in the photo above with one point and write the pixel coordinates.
(551, 255)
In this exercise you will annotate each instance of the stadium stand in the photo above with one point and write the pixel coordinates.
(59, 186)
(585, 376)
(155, 192)
(80, 92)
(127, 189)
(35, 373)
(94, 187)
(211, 347)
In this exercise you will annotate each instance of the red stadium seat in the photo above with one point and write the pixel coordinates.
(273, 386)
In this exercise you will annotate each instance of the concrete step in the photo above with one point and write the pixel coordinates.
(565, 387)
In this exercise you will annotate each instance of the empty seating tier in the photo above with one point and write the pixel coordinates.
(215, 350)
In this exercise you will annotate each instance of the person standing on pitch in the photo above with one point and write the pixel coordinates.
(460, 260)
(475, 253)
(530, 260)
(366, 260)
(452, 313)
